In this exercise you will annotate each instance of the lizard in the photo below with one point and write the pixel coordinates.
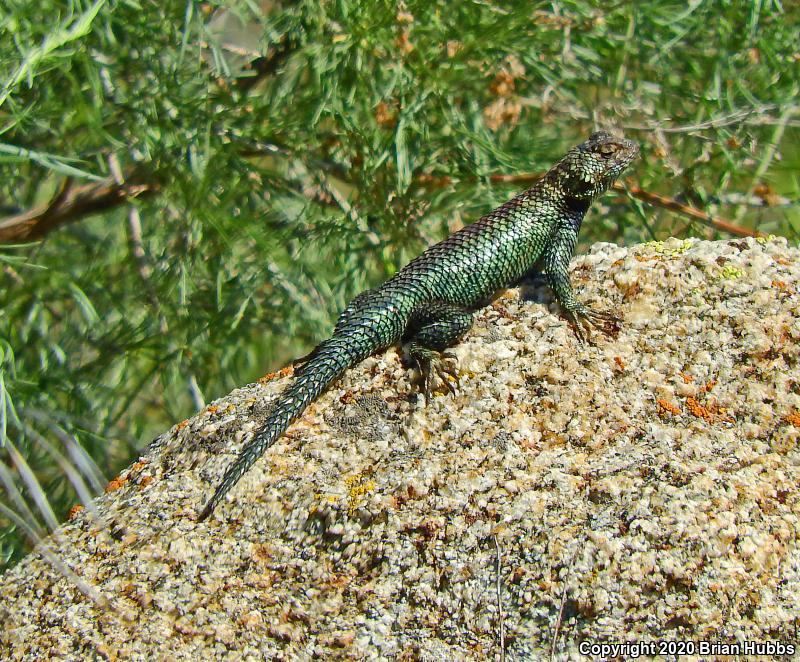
(428, 305)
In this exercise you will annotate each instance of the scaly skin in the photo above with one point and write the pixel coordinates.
(428, 304)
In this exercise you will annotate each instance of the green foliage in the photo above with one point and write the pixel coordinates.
(282, 195)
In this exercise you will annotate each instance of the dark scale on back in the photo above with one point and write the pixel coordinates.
(428, 304)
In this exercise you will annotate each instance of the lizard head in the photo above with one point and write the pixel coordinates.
(592, 167)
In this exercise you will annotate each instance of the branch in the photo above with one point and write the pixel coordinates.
(71, 204)
(653, 199)
(664, 202)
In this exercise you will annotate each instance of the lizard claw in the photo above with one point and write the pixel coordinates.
(584, 318)
(597, 317)
(432, 363)
(447, 372)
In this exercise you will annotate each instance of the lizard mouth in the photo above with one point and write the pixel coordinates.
(627, 152)
(630, 150)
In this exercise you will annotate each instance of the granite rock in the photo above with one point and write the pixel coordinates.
(642, 487)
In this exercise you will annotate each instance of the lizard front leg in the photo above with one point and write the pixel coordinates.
(556, 261)
(434, 327)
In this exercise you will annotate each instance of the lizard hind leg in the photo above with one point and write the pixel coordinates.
(432, 329)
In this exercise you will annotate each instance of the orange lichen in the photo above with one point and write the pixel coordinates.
(783, 286)
(665, 406)
(793, 419)
(502, 311)
(620, 363)
(698, 410)
(283, 372)
(687, 379)
(73, 512)
(115, 483)
(182, 424)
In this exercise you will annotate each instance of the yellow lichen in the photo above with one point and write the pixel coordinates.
(358, 488)
(732, 273)
(661, 247)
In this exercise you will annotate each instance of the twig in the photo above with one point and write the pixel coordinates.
(231, 48)
(499, 590)
(664, 202)
(736, 117)
(69, 205)
(195, 392)
(72, 204)
(63, 192)
(136, 244)
(654, 199)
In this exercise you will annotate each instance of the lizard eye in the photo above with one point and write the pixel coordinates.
(608, 149)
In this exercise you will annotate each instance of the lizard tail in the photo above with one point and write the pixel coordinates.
(324, 365)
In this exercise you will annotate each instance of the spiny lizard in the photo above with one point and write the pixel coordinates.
(428, 304)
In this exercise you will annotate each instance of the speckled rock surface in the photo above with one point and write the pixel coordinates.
(644, 487)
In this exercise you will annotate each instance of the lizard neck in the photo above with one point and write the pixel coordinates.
(577, 206)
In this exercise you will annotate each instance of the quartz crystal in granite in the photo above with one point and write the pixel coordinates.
(644, 487)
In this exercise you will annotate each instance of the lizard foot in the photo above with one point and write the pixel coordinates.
(432, 363)
(584, 318)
